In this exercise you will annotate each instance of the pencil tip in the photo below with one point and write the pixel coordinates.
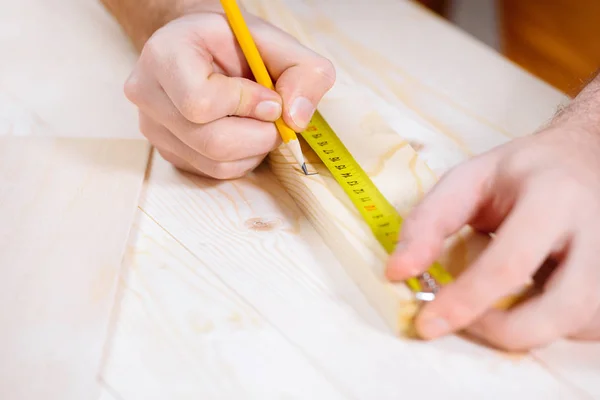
(304, 169)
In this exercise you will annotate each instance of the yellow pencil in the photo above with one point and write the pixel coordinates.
(257, 65)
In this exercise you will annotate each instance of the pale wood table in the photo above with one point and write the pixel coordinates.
(210, 306)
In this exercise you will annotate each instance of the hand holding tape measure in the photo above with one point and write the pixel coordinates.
(478, 190)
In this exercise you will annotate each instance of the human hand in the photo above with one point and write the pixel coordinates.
(541, 196)
(199, 105)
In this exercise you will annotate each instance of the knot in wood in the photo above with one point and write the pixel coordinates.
(416, 145)
(262, 224)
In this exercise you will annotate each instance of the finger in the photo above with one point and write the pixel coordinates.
(178, 162)
(164, 140)
(200, 93)
(226, 139)
(302, 87)
(302, 76)
(233, 138)
(521, 245)
(565, 308)
(444, 210)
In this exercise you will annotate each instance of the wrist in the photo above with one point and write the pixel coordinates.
(583, 112)
(179, 8)
(185, 7)
(141, 18)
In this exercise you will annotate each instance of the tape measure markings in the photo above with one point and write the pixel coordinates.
(379, 214)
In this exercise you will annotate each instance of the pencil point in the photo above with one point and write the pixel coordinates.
(294, 147)
(304, 169)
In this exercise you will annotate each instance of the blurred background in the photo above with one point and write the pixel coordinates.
(556, 40)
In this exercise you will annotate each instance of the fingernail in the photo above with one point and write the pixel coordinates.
(432, 326)
(302, 111)
(268, 110)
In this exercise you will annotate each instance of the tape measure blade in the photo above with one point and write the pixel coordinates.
(380, 215)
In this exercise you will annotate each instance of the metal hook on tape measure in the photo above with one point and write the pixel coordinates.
(428, 281)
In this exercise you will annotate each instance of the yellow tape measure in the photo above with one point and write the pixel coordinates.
(383, 219)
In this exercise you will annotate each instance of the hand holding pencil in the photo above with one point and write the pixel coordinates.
(199, 103)
(257, 65)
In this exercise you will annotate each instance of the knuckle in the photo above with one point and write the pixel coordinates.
(145, 125)
(218, 145)
(154, 133)
(325, 69)
(153, 49)
(195, 108)
(147, 128)
(167, 155)
(132, 90)
(516, 163)
(224, 171)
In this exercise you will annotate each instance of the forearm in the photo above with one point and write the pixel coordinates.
(141, 18)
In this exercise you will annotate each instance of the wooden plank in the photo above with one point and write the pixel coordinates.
(402, 177)
(461, 99)
(66, 207)
(358, 117)
(438, 89)
(575, 362)
(67, 67)
(183, 332)
(249, 238)
(439, 102)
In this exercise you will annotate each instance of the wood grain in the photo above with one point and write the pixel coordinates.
(66, 207)
(185, 332)
(83, 99)
(218, 253)
(357, 116)
(231, 293)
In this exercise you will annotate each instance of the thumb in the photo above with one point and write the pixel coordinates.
(451, 204)
(302, 87)
(302, 76)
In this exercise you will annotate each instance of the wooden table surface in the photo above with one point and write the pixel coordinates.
(211, 304)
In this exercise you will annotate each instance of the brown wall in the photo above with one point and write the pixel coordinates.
(557, 40)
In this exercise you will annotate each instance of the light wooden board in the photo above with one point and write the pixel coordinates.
(456, 96)
(438, 103)
(58, 74)
(231, 293)
(186, 333)
(449, 95)
(66, 207)
(358, 116)
(402, 177)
